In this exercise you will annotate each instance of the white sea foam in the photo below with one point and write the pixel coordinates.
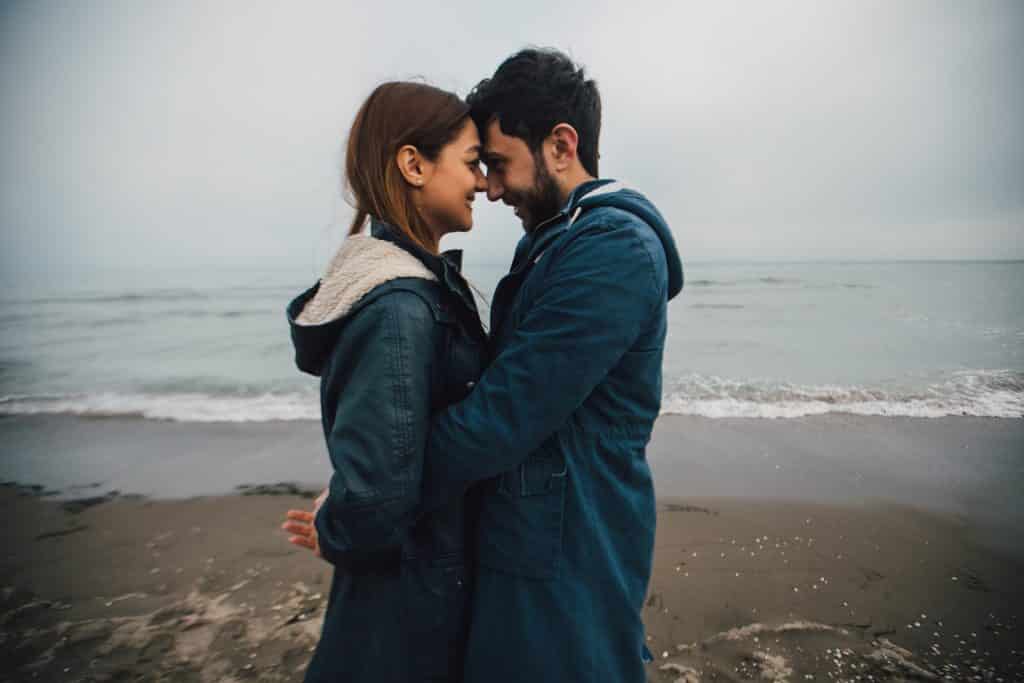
(982, 393)
(978, 393)
(178, 407)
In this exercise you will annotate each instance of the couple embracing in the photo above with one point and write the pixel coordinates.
(491, 512)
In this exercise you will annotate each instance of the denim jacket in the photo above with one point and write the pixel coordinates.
(394, 335)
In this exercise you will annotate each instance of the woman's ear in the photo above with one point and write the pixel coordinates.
(414, 168)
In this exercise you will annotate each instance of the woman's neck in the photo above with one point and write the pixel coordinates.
(432, 243)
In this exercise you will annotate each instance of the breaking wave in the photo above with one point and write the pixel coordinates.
(178, 407)
(977, 393)
(996, 393)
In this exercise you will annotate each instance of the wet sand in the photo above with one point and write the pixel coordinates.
(208, 590)
(139, 590)
(961, 465)
(804, 591)
(816, 549)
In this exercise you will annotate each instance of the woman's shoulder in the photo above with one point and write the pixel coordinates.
(408, 297)
(396, 317)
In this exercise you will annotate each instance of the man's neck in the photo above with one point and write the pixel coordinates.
(568, 183)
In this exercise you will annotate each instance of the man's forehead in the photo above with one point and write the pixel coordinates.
(497, 143)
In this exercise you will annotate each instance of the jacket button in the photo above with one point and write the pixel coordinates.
(470, 385)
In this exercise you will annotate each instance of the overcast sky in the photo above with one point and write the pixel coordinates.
(187, 133)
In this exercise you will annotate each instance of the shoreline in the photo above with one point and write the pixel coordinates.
(967, 467)
(208, 589)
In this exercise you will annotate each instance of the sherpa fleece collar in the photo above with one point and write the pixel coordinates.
(362, 263)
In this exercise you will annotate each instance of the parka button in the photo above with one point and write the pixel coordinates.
(470, 385)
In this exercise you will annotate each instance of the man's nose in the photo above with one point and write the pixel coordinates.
(494, 188)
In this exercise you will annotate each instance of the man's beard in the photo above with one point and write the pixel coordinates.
(543, 201)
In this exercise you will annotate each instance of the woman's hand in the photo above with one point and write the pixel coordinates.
(301, 524)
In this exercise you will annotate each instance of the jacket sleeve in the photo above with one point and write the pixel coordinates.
(599, 293)
(377, 385)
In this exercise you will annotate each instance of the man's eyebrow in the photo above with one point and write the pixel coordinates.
(487, 155)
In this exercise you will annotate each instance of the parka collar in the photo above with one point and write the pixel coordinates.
(436, 263)
(547, 231)
(447, 266)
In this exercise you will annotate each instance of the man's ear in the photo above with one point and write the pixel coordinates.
(564, 141)
(414, 168)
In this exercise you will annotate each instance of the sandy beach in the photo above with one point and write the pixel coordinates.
(801, 591)
(798, 583)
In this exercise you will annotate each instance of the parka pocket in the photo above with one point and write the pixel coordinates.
(521, 520)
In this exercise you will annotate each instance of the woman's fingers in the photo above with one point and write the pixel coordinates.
(298, 528)
(301, 524)
(304, 542)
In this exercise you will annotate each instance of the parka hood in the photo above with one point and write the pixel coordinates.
(615, 194)
(362, 264)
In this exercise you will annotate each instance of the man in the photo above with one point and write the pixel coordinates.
(560, 420)
(557, 426)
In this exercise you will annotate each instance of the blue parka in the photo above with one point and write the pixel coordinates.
(393, 333)
(557, 426)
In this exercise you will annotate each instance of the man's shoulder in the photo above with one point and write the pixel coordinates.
(616, 205)
(610, 218)
(616, 232)
(613, 222)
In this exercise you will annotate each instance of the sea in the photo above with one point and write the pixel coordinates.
(751, 340)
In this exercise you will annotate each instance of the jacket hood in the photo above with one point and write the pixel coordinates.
(361, 264)
(615, 194)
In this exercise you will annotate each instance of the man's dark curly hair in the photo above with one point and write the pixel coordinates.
(533, 91)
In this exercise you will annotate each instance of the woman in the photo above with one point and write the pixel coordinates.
(393, 333)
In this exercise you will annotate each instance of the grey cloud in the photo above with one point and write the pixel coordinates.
(210, 133)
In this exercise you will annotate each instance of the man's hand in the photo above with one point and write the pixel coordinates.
(301, 524)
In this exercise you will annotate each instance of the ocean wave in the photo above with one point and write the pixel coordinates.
(777, 282)
(157, 316)
(998, 394)
(984, 393)
(143, 296)
(18, 318)
(176, 407)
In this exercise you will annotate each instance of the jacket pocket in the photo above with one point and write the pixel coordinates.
(521, 519)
